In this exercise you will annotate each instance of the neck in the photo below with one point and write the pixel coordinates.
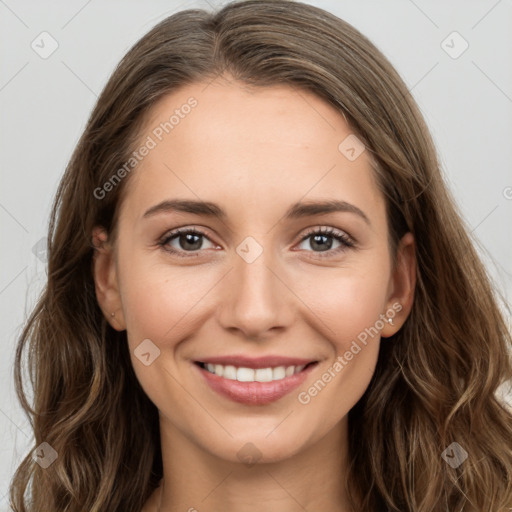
(197, 481)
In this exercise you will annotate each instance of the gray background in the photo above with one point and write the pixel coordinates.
(45, 102)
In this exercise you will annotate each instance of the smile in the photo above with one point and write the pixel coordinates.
(259, 385)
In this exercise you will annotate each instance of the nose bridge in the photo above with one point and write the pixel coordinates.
(255, 299)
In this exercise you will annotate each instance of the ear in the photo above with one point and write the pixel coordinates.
(105, 279)
(402, 286)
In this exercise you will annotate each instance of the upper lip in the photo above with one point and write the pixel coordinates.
(256, 362)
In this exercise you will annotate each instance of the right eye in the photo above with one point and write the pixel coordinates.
(189, 240)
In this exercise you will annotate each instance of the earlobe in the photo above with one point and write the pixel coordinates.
(403, 283)
(105, 279)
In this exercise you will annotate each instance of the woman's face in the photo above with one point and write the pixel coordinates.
(255, 291)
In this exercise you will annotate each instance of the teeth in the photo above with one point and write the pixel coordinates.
(229, 372)
(243, 374)
(263, 374)
(253, 375)
(278, 373)
(219, 370)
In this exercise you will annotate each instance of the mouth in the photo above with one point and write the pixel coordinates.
(254, 383)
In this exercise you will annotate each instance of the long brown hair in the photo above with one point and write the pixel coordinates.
(435, 380)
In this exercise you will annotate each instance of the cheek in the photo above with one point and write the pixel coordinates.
(159, 299)
(348, 304)
(160, 303)
(351, 324)
(346, 301)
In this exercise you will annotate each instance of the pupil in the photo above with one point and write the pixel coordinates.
(188, 237)
(321, 247)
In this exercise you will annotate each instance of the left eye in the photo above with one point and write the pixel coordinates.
(322, 240)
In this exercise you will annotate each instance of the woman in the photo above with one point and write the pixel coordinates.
(202, 345)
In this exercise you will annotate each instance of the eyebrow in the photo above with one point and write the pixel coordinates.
(296, 211)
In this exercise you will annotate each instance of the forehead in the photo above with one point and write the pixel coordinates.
(279, 116)
(224, 141)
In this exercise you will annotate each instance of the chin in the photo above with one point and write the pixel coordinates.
(259, 449)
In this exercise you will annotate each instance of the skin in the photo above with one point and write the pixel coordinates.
(254, 153)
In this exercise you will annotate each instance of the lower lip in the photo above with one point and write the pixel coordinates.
(255, 393)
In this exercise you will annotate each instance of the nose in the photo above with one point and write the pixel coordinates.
(256, 301)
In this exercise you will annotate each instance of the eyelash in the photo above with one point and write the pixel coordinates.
(345, 240)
